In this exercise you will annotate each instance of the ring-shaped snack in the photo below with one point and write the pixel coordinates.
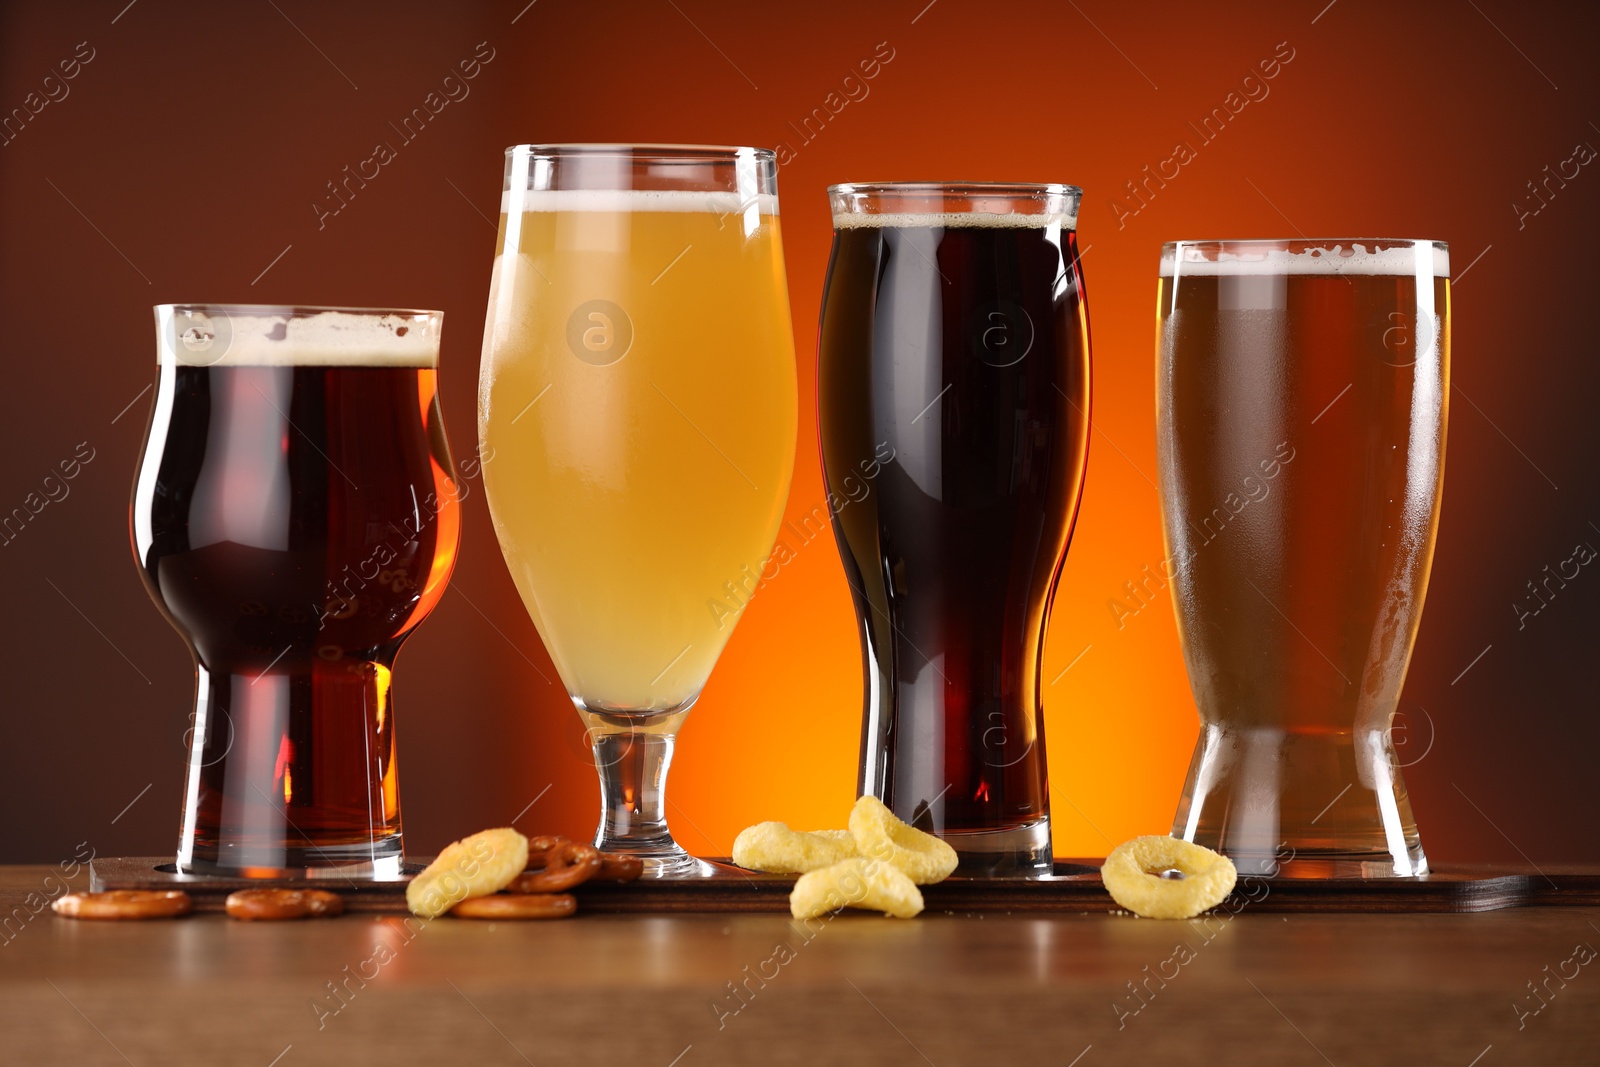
(881, 836)
(871, 885)
(1132, 874)
(776, 849)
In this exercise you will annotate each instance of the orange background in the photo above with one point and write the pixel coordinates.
(187, 155)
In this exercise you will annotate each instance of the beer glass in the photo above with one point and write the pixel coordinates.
(294, 518)
(1302, 392)
(953, 398)
(637, 417)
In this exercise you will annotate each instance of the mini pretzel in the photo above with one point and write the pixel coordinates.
(514, 906)
(125, 904)
(614, 866)
(541, 846)
(620, 867)
(566, 864)
(273, 904)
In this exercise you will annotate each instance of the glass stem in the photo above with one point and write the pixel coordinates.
(632, 754)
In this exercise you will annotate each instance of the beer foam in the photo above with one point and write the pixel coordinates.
(1360, 258)
(954, 220)
(626, 200)
(215, 338)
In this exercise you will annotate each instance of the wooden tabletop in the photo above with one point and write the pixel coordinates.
(686, 990)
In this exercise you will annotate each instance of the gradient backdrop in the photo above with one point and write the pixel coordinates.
(183, 159)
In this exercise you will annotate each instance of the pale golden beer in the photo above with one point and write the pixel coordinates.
(637, 416)
(629, 495)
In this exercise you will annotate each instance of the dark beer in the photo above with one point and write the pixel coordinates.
(953, 392)
(1302, 394)
(295, 520)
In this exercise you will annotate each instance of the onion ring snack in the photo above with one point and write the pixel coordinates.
(1132, 874)
(855, 883)
(776, 849)
(881, 836)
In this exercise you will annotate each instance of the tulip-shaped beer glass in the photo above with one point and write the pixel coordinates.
(295, 519)
(637, 417)
(1302, 389)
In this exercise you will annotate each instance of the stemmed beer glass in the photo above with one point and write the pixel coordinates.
(637, 413)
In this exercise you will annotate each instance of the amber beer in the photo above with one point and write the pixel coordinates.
(954, 340)
(1302, 397)
(295, 519)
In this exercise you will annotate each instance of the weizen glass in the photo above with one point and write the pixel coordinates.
(953, 396)
(637, 415)
(295, 519)
(1302, 394)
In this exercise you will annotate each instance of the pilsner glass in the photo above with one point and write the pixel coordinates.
(1302, 393)
(295, 519)
(953, 397)
(637, 414)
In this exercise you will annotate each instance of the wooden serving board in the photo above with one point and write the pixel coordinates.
(1074, 887)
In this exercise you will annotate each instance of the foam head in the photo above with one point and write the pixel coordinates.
(954, 205)
(1271, 258)
(620, 201)
(220, 335)
(954, 220)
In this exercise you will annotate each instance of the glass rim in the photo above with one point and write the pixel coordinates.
(957, 188)
(1267, 244)
(661, 152)
(295, 310)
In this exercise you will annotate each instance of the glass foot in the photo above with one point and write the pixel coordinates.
(672, 862)
(1315, 863)
(632, 753)
(1301, 804)
(378, 869)
(1023, 852)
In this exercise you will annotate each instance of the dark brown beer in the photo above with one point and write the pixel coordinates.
(954, 386)
(1302, 398)
(295, 523)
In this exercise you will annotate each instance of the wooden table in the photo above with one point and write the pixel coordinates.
(945, 989)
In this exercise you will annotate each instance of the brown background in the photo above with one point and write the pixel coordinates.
(183, 163)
